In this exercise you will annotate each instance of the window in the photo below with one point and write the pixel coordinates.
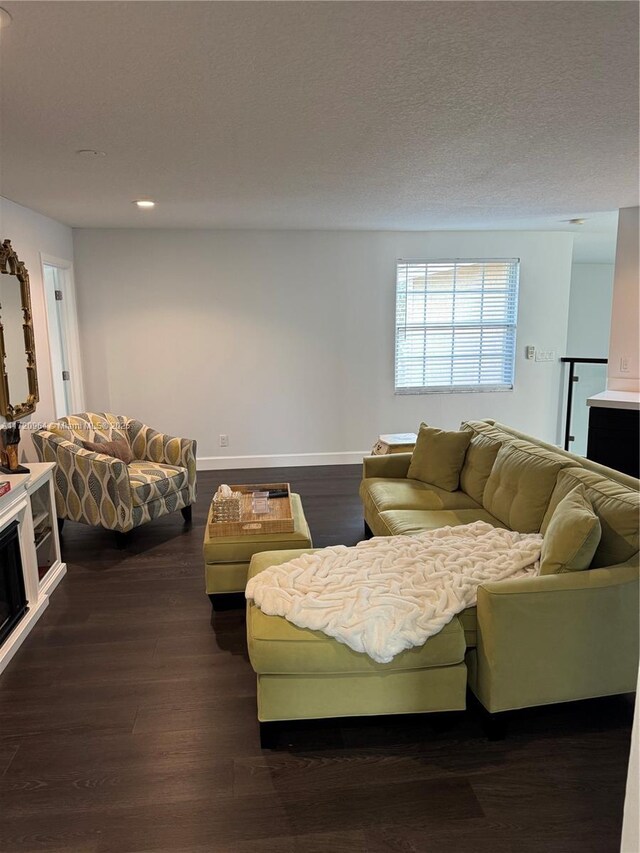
(456, 325)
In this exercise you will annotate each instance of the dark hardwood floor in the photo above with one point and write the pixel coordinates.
(128, 724)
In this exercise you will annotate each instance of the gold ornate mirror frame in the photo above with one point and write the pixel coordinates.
(10, 264)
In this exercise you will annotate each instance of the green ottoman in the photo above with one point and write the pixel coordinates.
(227, 558)
(303, 674)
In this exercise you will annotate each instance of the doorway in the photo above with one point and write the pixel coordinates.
(64, 344)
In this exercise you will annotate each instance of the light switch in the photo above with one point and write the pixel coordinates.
(545, 355)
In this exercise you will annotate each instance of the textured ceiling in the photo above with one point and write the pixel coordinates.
(383, 115)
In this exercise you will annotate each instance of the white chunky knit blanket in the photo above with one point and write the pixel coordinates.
(391, 593)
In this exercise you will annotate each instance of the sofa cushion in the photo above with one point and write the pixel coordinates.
(151, 480)
(489, 430)
(276, 646)
(617, 507)
(408, 522)
(520, 484)
(478, 464)
(572, 536)
(438, 457)
(576, 461)
(381, 493)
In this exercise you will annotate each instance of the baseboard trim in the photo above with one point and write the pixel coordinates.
(281, 460)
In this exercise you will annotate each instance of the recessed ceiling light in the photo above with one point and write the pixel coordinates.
(576, 221)
(90, 152)
(5, 19)
(145, 203)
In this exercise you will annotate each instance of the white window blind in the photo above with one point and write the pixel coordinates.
(456, 325)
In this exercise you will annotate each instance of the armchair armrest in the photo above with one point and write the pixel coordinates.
(89, 487)
(153, 446)
(393, 465)
(557, 638)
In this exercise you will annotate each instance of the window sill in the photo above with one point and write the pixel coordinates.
(487, 389)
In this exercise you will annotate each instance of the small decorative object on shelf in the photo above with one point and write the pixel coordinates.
(41, 535)
(260, 502)
(397, 442)
(227, 504)
(9, 441)
(5, 486)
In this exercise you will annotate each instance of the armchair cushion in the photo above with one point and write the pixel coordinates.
(438, 457)
(118, 449)
(151, 480)
(91, 426)
(572, 536)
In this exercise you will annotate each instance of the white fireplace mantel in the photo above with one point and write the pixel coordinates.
(31, 502)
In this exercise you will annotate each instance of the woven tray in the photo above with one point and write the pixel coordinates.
(278, 520)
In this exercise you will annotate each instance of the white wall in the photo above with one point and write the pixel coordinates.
(588, 337)
(590, 310)
(285, 340)
(30, 234)
(624, 342)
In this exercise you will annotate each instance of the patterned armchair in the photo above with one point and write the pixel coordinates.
(98, 489)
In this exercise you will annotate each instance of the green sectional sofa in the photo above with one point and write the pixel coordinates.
(533, 641)
(540, 640)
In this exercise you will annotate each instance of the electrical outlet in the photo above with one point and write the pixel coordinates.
(224, 440)
(530, 353)
(624, 364)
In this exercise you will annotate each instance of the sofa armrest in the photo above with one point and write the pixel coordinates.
(153, 446)
(393, 465)
(89, 487)
(557, 638)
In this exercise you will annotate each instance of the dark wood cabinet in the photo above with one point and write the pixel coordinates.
(614, 438)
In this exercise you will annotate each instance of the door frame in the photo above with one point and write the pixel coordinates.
(70, 316)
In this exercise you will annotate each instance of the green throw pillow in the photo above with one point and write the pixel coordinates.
(478, 464)
(572, 536)
(438, 457)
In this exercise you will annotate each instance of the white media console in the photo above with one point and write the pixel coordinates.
(31, 504)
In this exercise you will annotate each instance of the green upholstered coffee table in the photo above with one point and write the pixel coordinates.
(227, 558)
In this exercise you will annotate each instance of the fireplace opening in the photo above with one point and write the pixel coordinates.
(13, 601)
